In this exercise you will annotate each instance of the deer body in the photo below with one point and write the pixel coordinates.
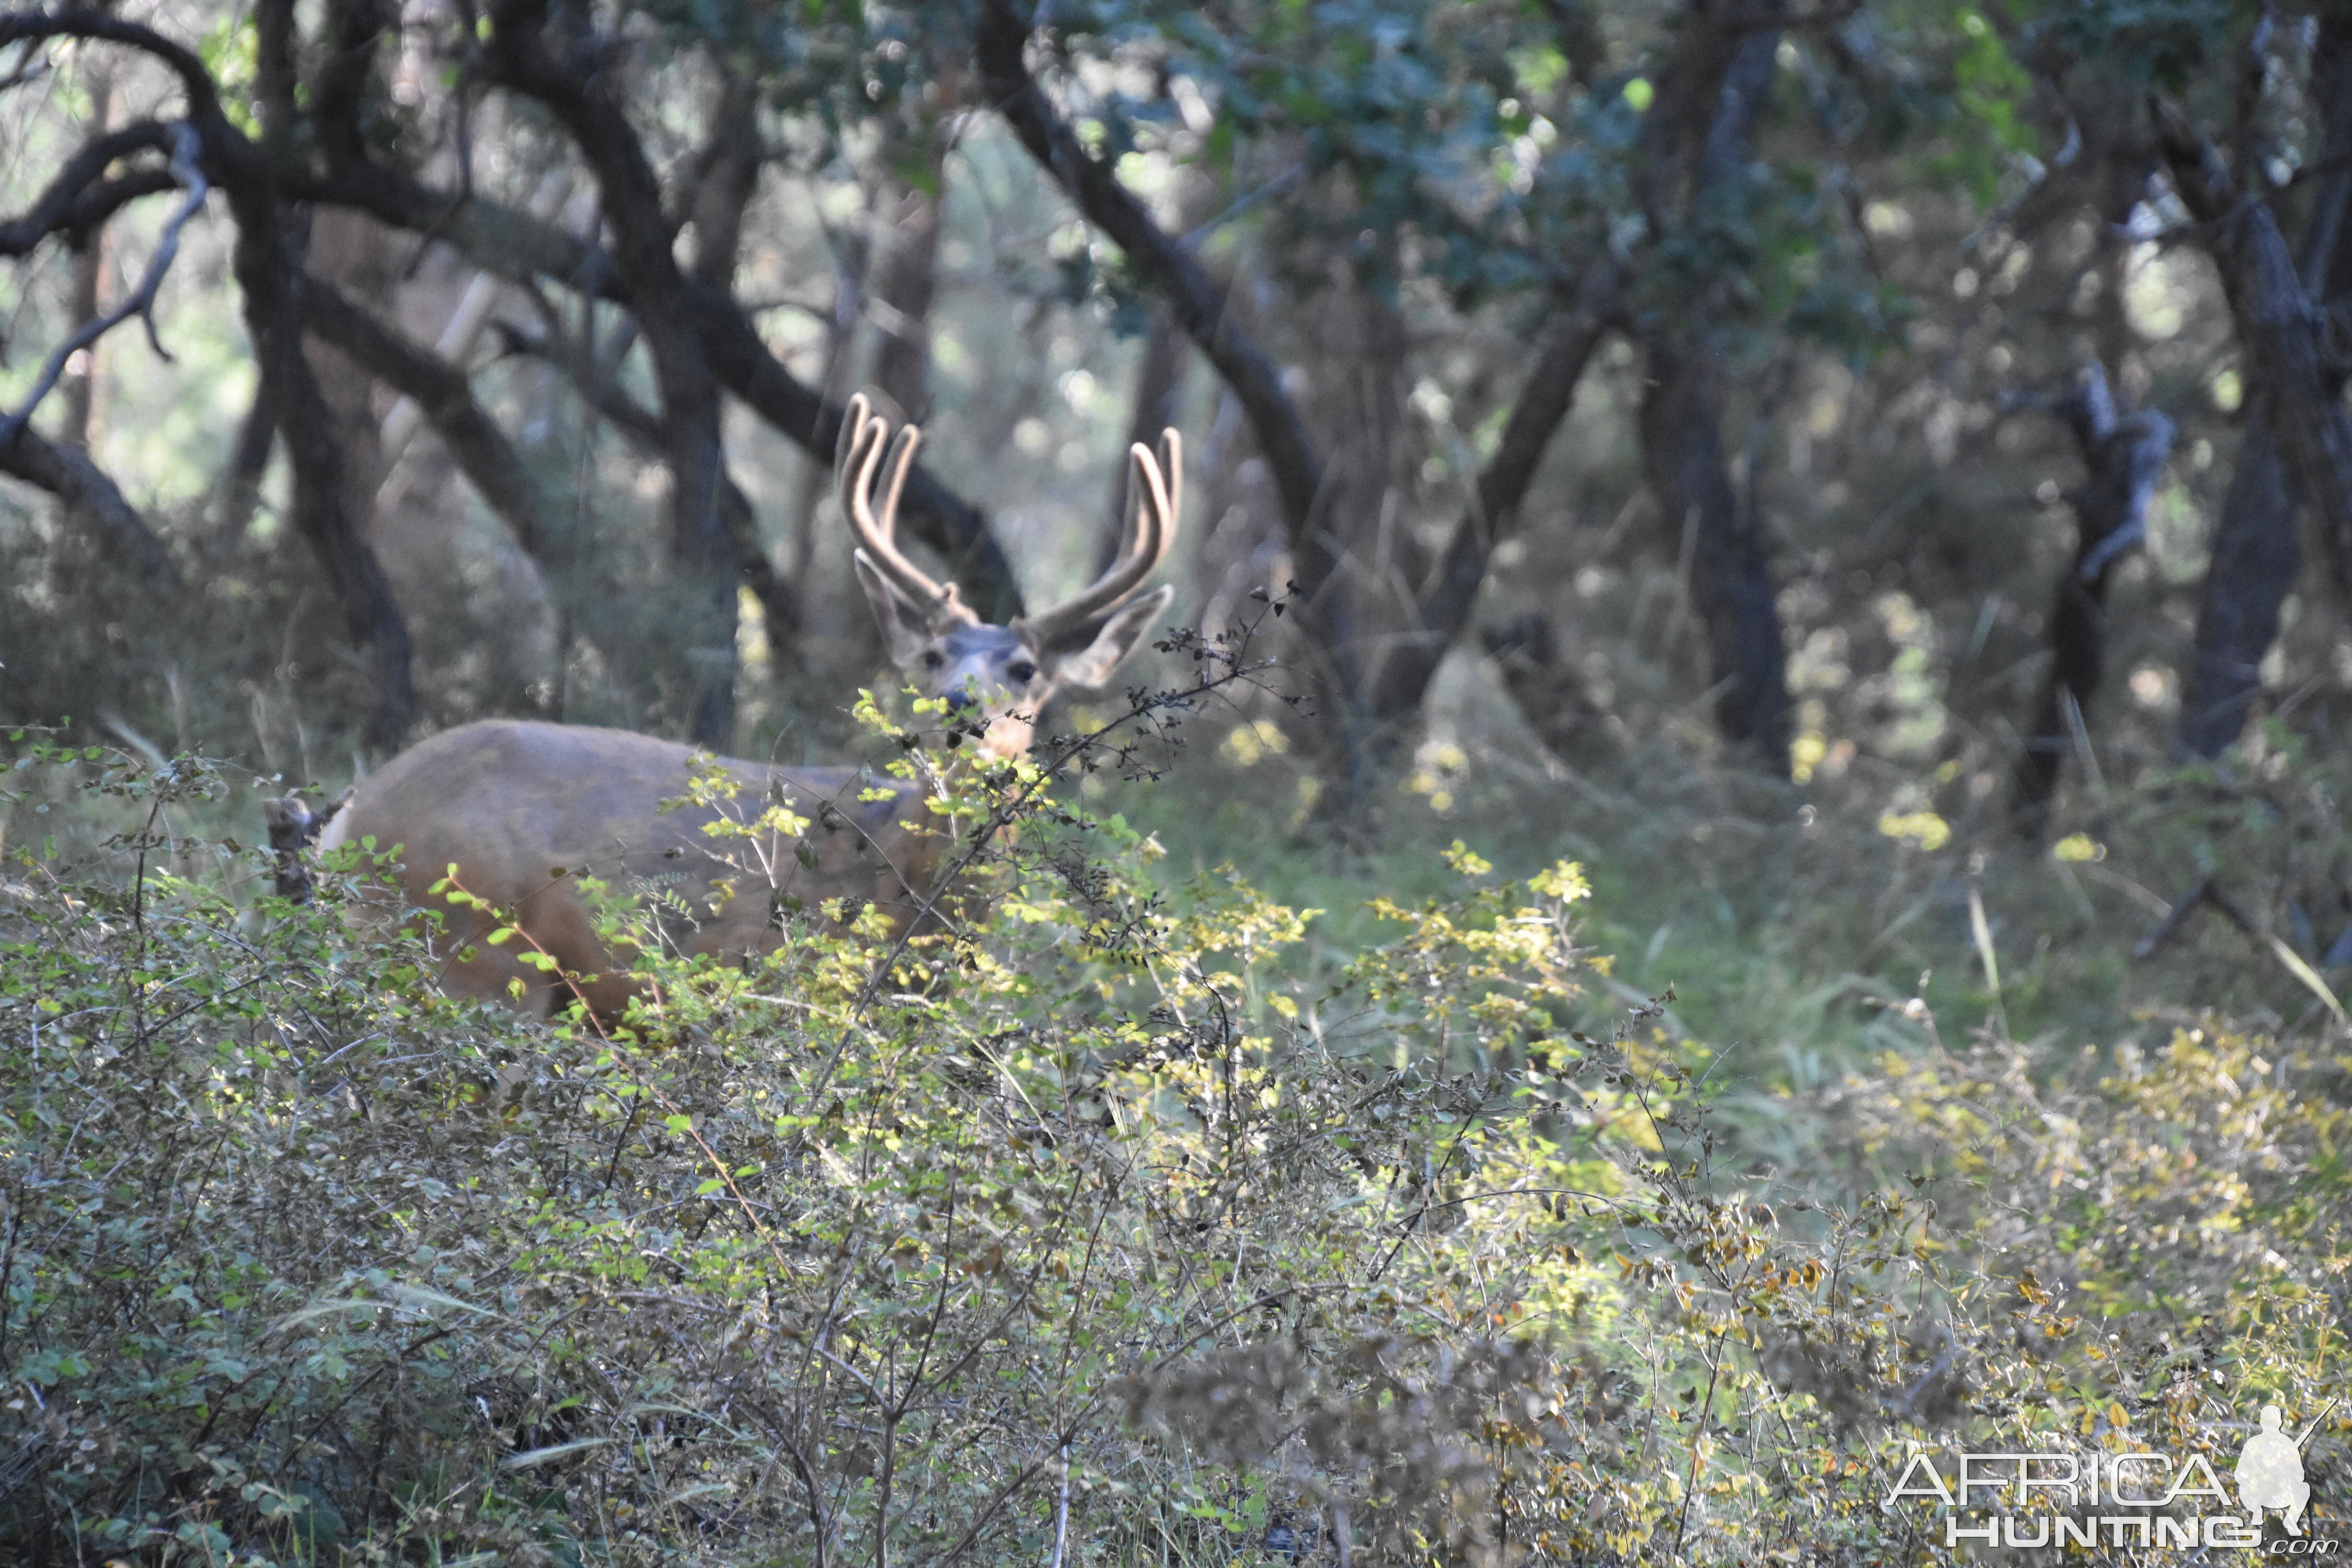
(524, 810)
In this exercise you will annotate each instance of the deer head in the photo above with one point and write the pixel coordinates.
(1001, 675)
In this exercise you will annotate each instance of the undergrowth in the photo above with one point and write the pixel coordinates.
(1118, 1225)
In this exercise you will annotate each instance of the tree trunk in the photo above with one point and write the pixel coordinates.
(2126, 455)
(819, 617)
(2257, 557)
(1682, 418)
(239, 490)
(1158, 396)
(668, 311)
(1714, 39)
(77, 393)
(2257, 547)
(357, 259)
(2281, 332)
(264, 274)
(905, 279)
(1731, 576)
(1353, 397)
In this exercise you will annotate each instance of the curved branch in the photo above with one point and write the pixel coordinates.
(524, 249)
(196, 80)
(1196, 299)
(68, 473)
(1445, 605)
(80, 198)
(141, 301)
(443, 394)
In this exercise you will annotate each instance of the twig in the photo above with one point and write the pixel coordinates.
(2172, 922)
(186, 146)
(1062, 1510)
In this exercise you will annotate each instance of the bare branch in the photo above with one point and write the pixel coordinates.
(68, 473)
(443, 395)
(80, 198)
(1198, 303)
(515, 246)
(141, 301)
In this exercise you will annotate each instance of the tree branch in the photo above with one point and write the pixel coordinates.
(79, 200)
(1198, 302)
(2125, 453)
(444, 395)
(1543, 402)
(139, 301)
(2278, 324)
(643, 426)
(515, 246)
(941, 518)
(555, 57)
(68, 473)
(196, 80)
(263, 263)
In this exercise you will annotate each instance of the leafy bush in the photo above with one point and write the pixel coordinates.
(1091, 1234)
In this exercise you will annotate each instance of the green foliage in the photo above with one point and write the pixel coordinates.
(1994, 87)
(1098, 1223)
(2157, 42)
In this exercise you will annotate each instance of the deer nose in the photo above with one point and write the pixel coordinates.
(962, 699)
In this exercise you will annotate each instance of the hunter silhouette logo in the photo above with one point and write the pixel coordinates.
(2269, 1472)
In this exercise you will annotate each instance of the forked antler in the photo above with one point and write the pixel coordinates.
(857, 457)
(1155, 492)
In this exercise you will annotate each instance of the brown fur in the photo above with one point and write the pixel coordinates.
(524, 809)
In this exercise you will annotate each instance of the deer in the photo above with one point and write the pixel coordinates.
(525, 810)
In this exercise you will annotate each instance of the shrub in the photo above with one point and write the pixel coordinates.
(1087, 1234)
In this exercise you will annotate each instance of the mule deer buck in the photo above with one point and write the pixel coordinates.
(523, 810)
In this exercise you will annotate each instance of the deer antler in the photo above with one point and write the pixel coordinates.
(857, 457)
(1155, 493)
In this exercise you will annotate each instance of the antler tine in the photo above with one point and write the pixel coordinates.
(859, 455)
(1154, 496)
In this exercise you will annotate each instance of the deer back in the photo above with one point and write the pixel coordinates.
(525, 810)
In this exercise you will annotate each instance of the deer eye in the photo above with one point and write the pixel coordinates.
(933, 659)
(1021, 673)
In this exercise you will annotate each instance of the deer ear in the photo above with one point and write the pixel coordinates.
(1115, 638)
(906, 626)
